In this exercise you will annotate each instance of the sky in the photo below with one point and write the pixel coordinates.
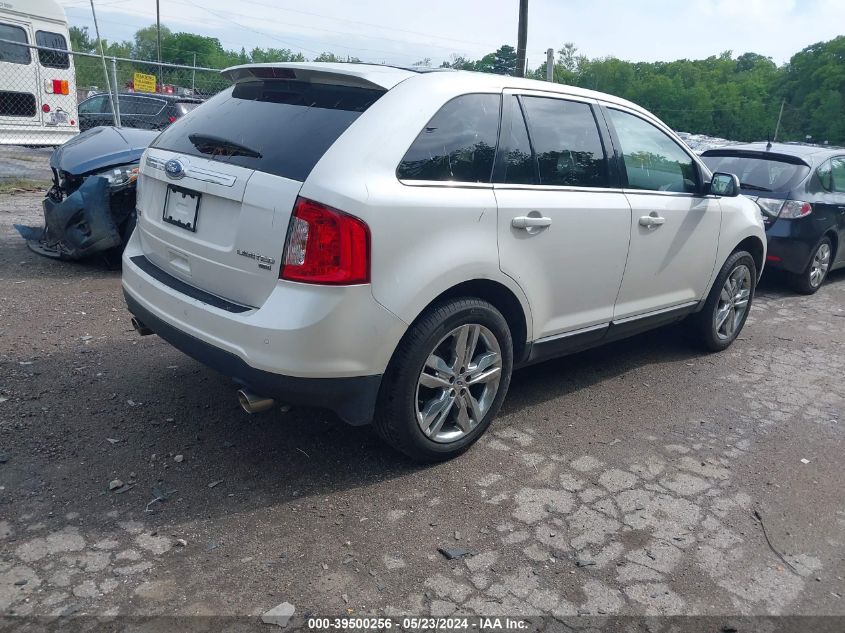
(407, 31)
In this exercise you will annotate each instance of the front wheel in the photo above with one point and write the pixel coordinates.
(811, 279)
(724, 313)
(447, 380)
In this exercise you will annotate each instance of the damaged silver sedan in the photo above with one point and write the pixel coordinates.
(90, 209)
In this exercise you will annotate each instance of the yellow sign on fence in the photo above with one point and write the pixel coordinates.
(144, 83)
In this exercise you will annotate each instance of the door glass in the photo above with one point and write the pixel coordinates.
(652, 160)
(12, 52)
(838, 171)
(520, 166)
(458, 144)
(567, 142)
(140, 105)
(825, 175)
(52, 59)
(94, 105)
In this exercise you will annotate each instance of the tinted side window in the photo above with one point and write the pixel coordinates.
(652, 160)
(12, 52)
(51, 59)
(838, 171)
(519, 163)
(458, 144)
(566, 141)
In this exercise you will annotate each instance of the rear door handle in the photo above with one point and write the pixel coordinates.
(652, 221)
(531, 222)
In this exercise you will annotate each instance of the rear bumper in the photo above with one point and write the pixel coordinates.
(353, 398)
(791, 243)
(325, 346)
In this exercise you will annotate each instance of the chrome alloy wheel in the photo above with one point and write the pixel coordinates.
(733, 302)
(458, 383)
(820, 264)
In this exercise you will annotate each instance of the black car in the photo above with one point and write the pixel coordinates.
(139, 110)
(801, 192)
(90, 209)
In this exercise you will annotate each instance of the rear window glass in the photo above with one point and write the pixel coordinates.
(184, 107)
(759, 174)
(275, 126)
(17, 104)
(458, 144)
(52, 59)
(12, 52)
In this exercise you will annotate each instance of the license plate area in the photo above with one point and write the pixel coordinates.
(181, 208)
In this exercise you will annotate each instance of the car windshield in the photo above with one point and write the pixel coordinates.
(759, 174)
(286, 126)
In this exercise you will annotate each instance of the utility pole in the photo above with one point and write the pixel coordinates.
(777, 127)
(158, 43)
(550, 64)
(112, 92)
(521, 38)
(194, 76)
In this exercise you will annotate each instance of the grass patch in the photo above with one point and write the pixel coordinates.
(16, 185)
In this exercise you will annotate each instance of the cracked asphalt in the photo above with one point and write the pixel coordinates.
(638, 478)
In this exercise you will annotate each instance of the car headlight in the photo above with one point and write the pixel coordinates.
(120, 176)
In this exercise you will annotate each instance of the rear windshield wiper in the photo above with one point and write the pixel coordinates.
(217, 146)
(745, 185)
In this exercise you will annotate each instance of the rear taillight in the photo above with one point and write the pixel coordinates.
(789, 209)
(172, 118)
(795, 209)
(325, 246)
(57, 86)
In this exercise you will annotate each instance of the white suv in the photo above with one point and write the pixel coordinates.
(391, 243)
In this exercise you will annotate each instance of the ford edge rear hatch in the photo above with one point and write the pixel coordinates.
(218, 186)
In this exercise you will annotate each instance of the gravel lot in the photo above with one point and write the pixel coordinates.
(623, 480)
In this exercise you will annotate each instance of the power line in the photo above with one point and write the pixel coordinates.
(328, 30)
(223, 16)
(378, 26)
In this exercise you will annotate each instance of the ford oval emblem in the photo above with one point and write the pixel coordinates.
(174, 169)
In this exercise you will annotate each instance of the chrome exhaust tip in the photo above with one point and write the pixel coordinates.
(253, 403)
(140, 328)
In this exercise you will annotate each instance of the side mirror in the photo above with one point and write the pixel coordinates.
(723, 184)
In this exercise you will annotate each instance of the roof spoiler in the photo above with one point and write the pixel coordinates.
(761, 154)
(330, 75)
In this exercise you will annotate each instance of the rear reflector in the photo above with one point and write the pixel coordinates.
(325, 246)
(772, 258)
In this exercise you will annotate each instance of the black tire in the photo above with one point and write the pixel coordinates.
(803, 281)
(702, 324)
(396, 412)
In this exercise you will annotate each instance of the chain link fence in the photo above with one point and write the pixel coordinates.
(49, 95)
